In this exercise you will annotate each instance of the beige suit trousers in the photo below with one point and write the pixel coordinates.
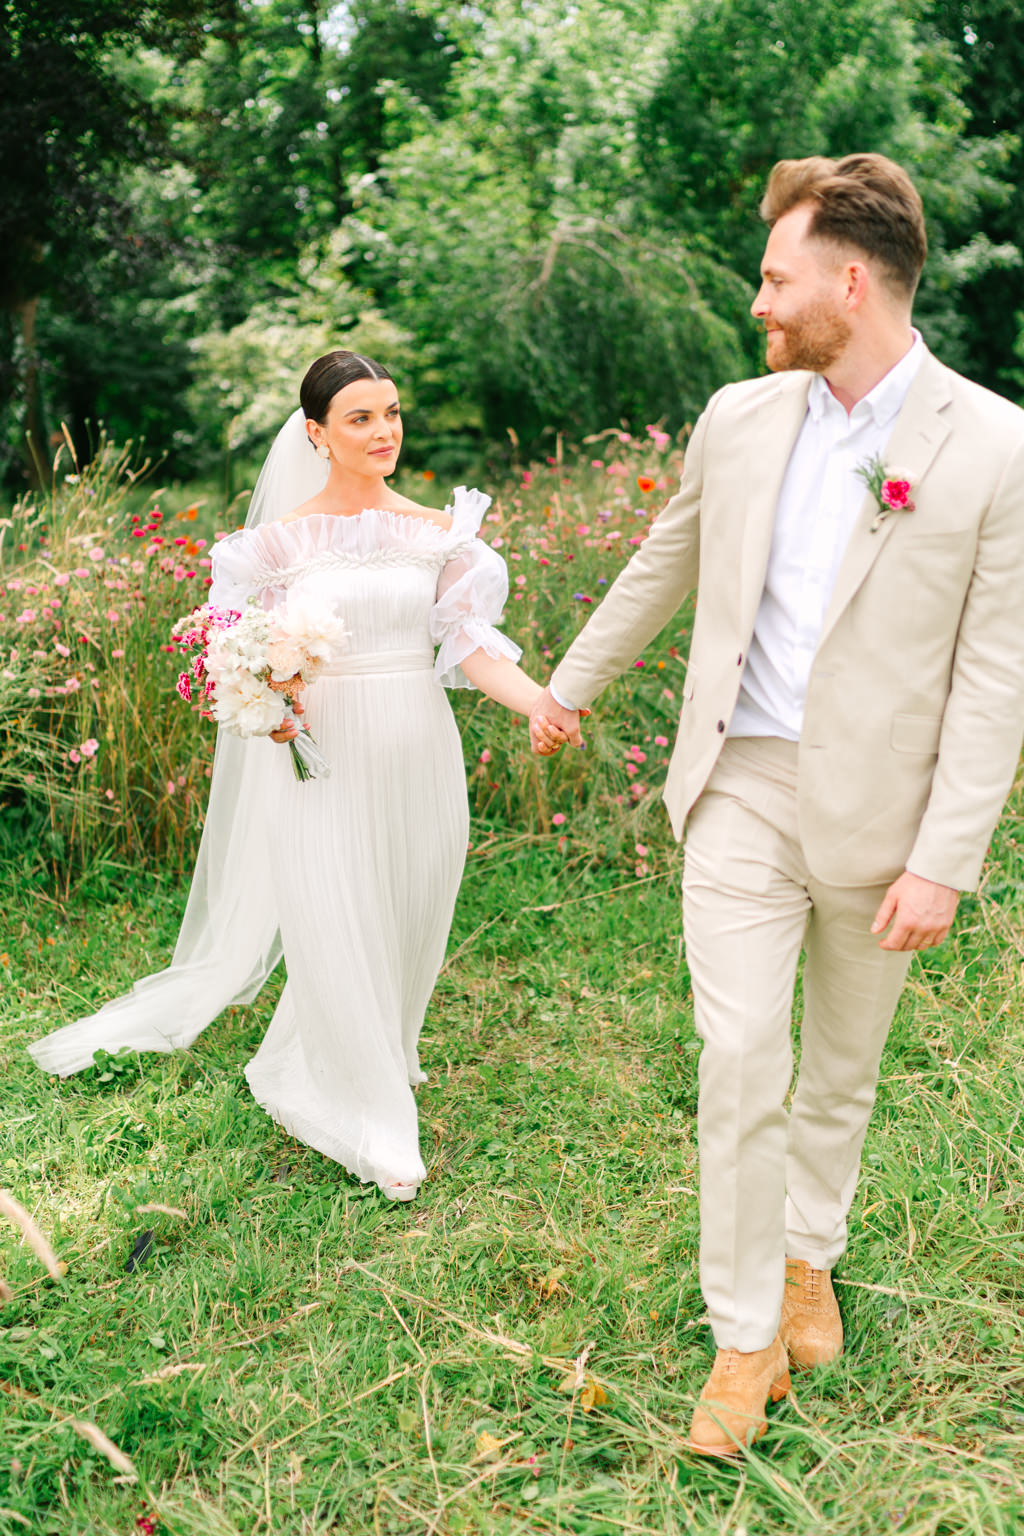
(775, 1182)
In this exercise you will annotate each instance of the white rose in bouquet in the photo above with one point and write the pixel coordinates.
(245, 663)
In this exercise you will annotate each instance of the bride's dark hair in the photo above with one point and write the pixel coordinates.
(329, 374)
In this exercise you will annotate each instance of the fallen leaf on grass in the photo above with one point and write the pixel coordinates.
(141, 1249)
(552, 1282)
(592, 1394)
(487, 1448)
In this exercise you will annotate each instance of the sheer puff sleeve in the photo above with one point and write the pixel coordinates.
(239, 569)
(471, 592)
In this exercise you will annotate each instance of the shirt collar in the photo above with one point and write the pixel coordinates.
(882, 403)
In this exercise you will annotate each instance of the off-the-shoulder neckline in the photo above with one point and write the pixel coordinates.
(353, 517)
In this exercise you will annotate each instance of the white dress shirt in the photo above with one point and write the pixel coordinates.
(818, 506)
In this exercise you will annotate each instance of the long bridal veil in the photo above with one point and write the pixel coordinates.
(229, 942)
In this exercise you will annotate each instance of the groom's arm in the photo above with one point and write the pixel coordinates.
(983, 720)
(644, 596)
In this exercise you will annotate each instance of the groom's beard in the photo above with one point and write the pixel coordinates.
(814, 340)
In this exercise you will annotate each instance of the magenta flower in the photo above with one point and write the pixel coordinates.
(184, 686)
(896, 494)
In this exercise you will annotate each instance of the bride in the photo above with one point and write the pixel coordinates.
(353, 877)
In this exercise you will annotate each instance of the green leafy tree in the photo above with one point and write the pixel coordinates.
(506, 239)
(749, 82)
(70, 120)
(988, 38)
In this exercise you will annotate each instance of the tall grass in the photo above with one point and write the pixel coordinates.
(97, 752)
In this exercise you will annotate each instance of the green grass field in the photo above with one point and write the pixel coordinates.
(518, 1350)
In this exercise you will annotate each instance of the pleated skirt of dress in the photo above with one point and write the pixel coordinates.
(366, 866)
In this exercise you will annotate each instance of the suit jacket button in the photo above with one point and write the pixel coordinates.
(721, 726)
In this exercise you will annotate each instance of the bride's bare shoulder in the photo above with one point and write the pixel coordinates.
(308, 508)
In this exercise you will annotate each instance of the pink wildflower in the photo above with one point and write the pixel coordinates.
(184, 686)
(89, 748)
(74, 756)
(558, 819)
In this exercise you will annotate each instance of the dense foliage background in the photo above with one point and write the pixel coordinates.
(542, 214)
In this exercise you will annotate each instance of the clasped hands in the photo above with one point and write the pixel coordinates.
(552, 726)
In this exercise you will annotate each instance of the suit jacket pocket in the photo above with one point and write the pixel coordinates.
(916, 733)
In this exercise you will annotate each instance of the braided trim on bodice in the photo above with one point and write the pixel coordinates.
(266, 575)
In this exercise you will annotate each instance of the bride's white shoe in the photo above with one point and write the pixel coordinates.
(399, 1191)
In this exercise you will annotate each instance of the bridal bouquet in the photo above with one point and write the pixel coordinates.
(246, 667)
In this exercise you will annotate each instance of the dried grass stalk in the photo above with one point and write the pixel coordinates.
(19, 1217)
(117, 1458)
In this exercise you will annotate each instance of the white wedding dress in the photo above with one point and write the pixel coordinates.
(358, 871)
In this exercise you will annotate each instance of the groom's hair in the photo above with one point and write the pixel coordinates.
(864, 201)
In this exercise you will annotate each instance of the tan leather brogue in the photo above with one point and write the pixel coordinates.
(810, 1326)
(730, 1414)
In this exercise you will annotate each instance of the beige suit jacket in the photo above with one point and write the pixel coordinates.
(915, 707)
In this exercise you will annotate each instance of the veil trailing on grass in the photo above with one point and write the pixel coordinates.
(229, 942)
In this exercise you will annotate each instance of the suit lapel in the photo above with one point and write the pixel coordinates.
(916, 438)
(768, 443)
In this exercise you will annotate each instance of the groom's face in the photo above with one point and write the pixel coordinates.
(801, 298)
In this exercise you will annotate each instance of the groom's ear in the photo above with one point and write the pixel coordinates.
(857, 281)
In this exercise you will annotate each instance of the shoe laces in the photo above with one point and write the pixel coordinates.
(809, 1280)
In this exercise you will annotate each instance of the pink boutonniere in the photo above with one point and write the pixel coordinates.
(890, 488)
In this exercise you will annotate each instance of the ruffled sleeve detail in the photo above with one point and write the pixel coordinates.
(472, 590)
(238, 570)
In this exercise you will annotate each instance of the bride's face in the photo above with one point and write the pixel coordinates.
(363, 428)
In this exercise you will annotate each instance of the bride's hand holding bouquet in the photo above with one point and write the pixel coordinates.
(250, 669)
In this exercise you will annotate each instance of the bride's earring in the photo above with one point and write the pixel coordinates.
(323, 452)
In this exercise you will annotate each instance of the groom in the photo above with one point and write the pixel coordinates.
(851, 723)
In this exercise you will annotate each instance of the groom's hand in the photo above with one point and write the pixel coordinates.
(551, 725)
(920, 911)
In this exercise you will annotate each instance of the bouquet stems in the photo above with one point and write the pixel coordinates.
(308, 762)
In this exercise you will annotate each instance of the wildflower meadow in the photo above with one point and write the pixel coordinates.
(207, 1329)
